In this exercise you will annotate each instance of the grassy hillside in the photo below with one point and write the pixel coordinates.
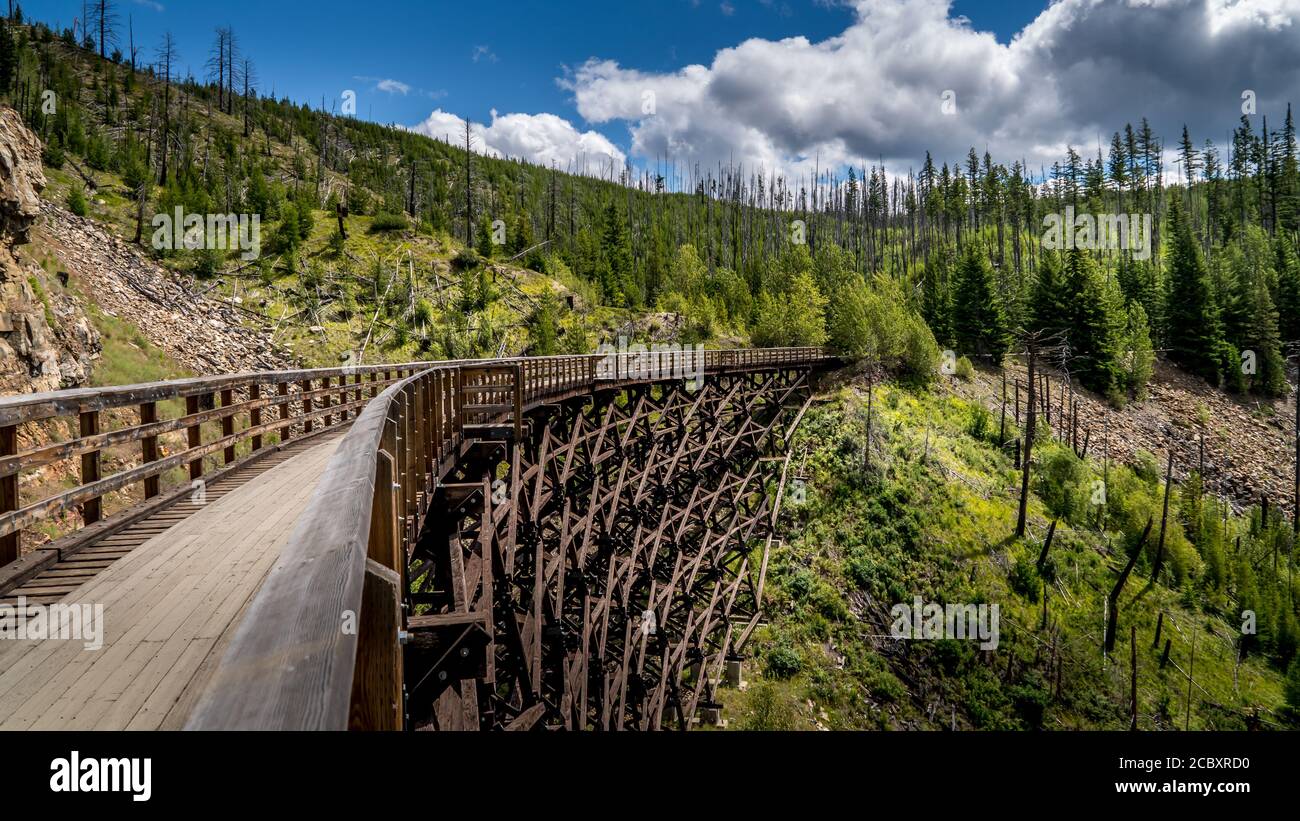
(934, 516)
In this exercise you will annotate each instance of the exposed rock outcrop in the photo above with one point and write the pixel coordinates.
(46, 341)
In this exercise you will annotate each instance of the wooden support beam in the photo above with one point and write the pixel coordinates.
(255, 415)
(91, 509)
(228, 426)
(194, 436)
(306, 406)
(286, 432)
(149, 447)
(10, 544)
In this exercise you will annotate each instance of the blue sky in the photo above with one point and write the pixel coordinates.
(863, 86)
(472, 57)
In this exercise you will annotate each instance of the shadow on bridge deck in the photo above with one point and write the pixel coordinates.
(170, 606)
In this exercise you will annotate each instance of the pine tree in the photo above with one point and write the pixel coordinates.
(936, 296)
(1139, 356)
(1288, 206)
(616, 247)
(544, 328)
(483, 241)
(979, 325)
(1048, 307)
(1287, 266)
(1263, 339)
(1194, 334)
(8, 57)
(1092, 331)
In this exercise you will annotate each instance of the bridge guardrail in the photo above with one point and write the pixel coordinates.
(289, 666)
(350, 546)
(241, 417)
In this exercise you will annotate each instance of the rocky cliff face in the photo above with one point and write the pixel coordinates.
(46, 341)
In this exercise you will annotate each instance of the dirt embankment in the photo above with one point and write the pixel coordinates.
(1249, 442)
(206, 336)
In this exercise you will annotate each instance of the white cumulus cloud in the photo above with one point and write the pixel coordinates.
(544, 139)
(1075, 74)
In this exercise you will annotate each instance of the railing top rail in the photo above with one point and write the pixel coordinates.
(36, 406)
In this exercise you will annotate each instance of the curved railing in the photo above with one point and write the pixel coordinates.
(290, 664)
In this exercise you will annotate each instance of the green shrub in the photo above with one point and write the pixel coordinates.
(1061, 483)
(207, 263)
(768, 710)
(52, 156)
(965, 370)
(1023, 578)
(981, 423)
(783, 663)
(77, 202)
(465, 259)
(388, 221)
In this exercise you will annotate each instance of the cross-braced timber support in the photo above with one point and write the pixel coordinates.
(598, 568)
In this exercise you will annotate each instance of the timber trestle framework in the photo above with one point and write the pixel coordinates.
(560, 542)
(599, 572)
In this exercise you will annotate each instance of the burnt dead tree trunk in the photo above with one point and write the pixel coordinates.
(1112, 610)
(1026, 457)
(1047, 545)
(1164, 519)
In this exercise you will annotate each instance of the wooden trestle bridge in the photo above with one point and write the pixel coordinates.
(570, 542)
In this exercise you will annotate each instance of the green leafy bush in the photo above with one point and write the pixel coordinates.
(783, 663)
(77, 202)
(53, 156)
(388, 221)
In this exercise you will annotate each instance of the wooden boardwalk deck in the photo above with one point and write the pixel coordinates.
(170, 605)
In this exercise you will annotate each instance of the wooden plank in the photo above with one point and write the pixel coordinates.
(166, 607)
(377, 702)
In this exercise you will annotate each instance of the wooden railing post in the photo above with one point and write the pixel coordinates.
(385, 543)
(519, 402)
(228, 426)
(438, 381)
(149, 447)
(286, 432)
(412, 462)
(306, 406)
(91, 509)
(194, 436)
(11, 543)
(255, 415)
(425, 392)
(327, 401)
(377, 702)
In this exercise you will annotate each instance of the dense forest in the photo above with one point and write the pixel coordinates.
(888, 265)
(958, 243)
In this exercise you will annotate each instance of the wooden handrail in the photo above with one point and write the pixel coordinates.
(290, 665)
(308, 401)
(291, 662)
